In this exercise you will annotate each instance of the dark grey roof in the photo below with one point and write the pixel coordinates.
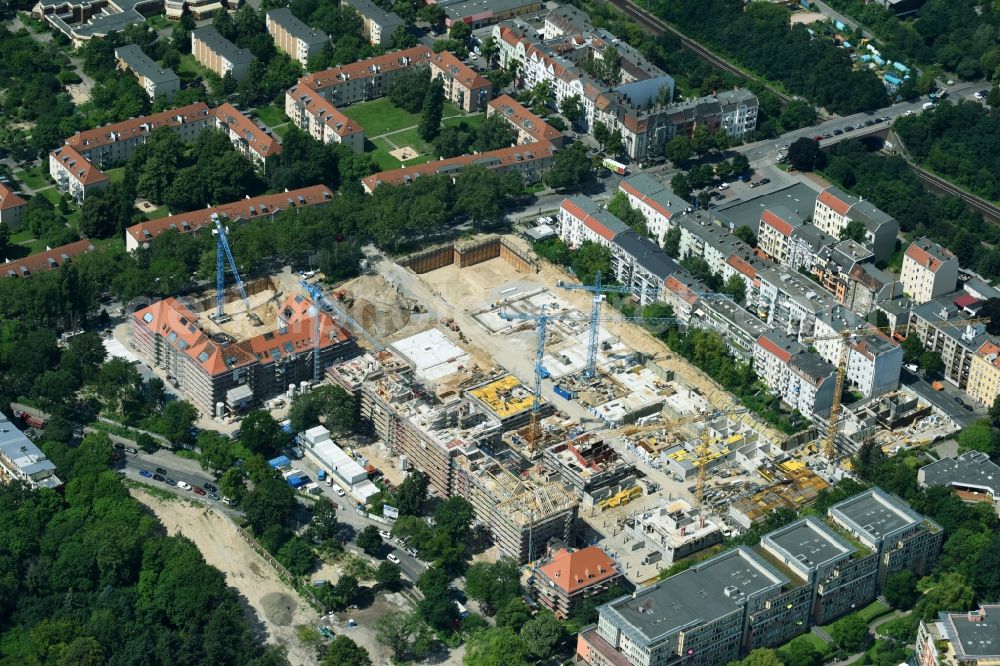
(284, 17)
(222, 46)
(143, 65)
(461, 9)
(943, 309)
(875, 514)
(813, 237)
(976, 637)
(704, 593)
(27, 458)
(806, 545)
(812, 367)
(647, 254)
(388, 20)
(799, 198)
(970, 470)
(569, 19)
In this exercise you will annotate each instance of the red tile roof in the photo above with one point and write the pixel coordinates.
(448, 63)
(259, 140)
(493, 159)
(395, 60)
(8, 199)
(45, 261)
(682, 290)
(832, 201)
(133, 127)
(171, 316)
(769, 346)
(742, 266)
(925, 258)
(588, 220)
(772, 219)
(243, 209)
(580, 569)
(78, 166)
(510, 110)
(318, 107)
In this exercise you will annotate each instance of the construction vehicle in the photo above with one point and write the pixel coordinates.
(830, 442)
(620, 499)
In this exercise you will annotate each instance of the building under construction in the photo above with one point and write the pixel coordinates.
(229, 364)
(789, 485)
(590, 466)
(457, 443)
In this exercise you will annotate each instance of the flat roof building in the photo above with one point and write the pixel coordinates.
(972, 475)
(964, 638)
(155, 80)
(21, 460)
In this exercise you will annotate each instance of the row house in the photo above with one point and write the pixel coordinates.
(738, 328)
(835, 209)
(266, 207)
(656, 201)
(312, 113)
(789, 302)
(463, 86)
(218, 54)
(365, 79)
(942, 326)
(292, 36)
(984, 373)
(929, 270)
(801, 378)
(528, 128)
(45, 261)
(874, 361)
(529, 162)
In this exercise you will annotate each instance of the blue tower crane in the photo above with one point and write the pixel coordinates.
(222, 253)
(324, 302)
(598, 290)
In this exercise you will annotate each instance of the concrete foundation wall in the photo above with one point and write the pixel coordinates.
(469, 253)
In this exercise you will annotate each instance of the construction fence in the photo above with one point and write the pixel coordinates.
(465, 253)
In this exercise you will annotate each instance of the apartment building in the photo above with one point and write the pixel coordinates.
(788, 301)
(566, 20)
(775, 233)
(45, 261)
(702, 237)
(902, 538)
(255, 143)
(528, 128)
(963, 638)
(155, 80)
(806, 573)
(641, 264)
(377, 24)
(11, 208)
(294, 37)
(21, 460)
(83, 20)
(801, 378)
(561, 581)
(656, 201)
(463, 86)
(806, 248)
(738, 328)
(219, 374)
(529, 162)
(266, 206)
(842, 576)
(972, 476)
(738, 115)
(218, 54)
(582, 220)
(984, 373)
(74, 174)
(311, 112)
(199, 9)
(873, 360)
(365, 79)
(479, 13)
(929, 270)
(942, 326)
(835, 209)
(673, 528)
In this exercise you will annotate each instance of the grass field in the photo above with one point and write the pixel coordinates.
(271, 115)
(818, 643)
(159, 22)
(380, 116)
(26, 240)
(281, 130)
(116, 175)
(33, 177)
(189, 68)
(156, 213)
(873, 610)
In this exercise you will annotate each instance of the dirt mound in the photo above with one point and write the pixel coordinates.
(377, 306)
(278, 608)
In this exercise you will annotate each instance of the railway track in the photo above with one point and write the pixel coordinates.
(655, 25)
(988, 210)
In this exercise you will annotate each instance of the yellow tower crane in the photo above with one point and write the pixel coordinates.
(830, 442)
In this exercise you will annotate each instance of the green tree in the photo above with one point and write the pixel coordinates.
(849, 633)
(296, 556)
(432, 111)
(912, 348)
(980, 436)
(931, 363)
(387, 576)
(804, 154)
(494, 133)
(514, 614)
(232, 485)
(107, 212)
(801, 652)
(901, 590)
(678, 150)
(854, 231)
(985, 573)
(436, 606)
(761, 657)
(409, 88)
(571, 168)
(119, 385)
(406, 634)
(735, 287)
(944, 592)
(995, 411)
(342, 651)
(542, 634)
(746, 235)
(493, 584)
(271, 502)
(496, 647)
(369, 540)
(572, 108)
(412, 493)
(680, 185)
(176, 419)
(260, 433)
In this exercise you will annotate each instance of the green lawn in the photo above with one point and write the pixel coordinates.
(282, 130)
(52, 194)
(818, 643)
(116, 175)
(26, 240)
(411, 138)
(472, 121)
(271, 115)
(189, 68)
(159, 21)
(874, 610)
(115, 242)
(380, 116)
(35, 177)
(157, 213)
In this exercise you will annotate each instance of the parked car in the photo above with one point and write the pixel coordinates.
(412, 552)
(199, 491)
(827, 135)
(169, 481)
(340, 491)
(209, 487)
(849, 128)
(146, 473)
(160, 470)
(838, 132)
(213, 496)
(392, 558)
(385, 535)
(157, 477)
(184, 485)
(132, 450)
(763, 181)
